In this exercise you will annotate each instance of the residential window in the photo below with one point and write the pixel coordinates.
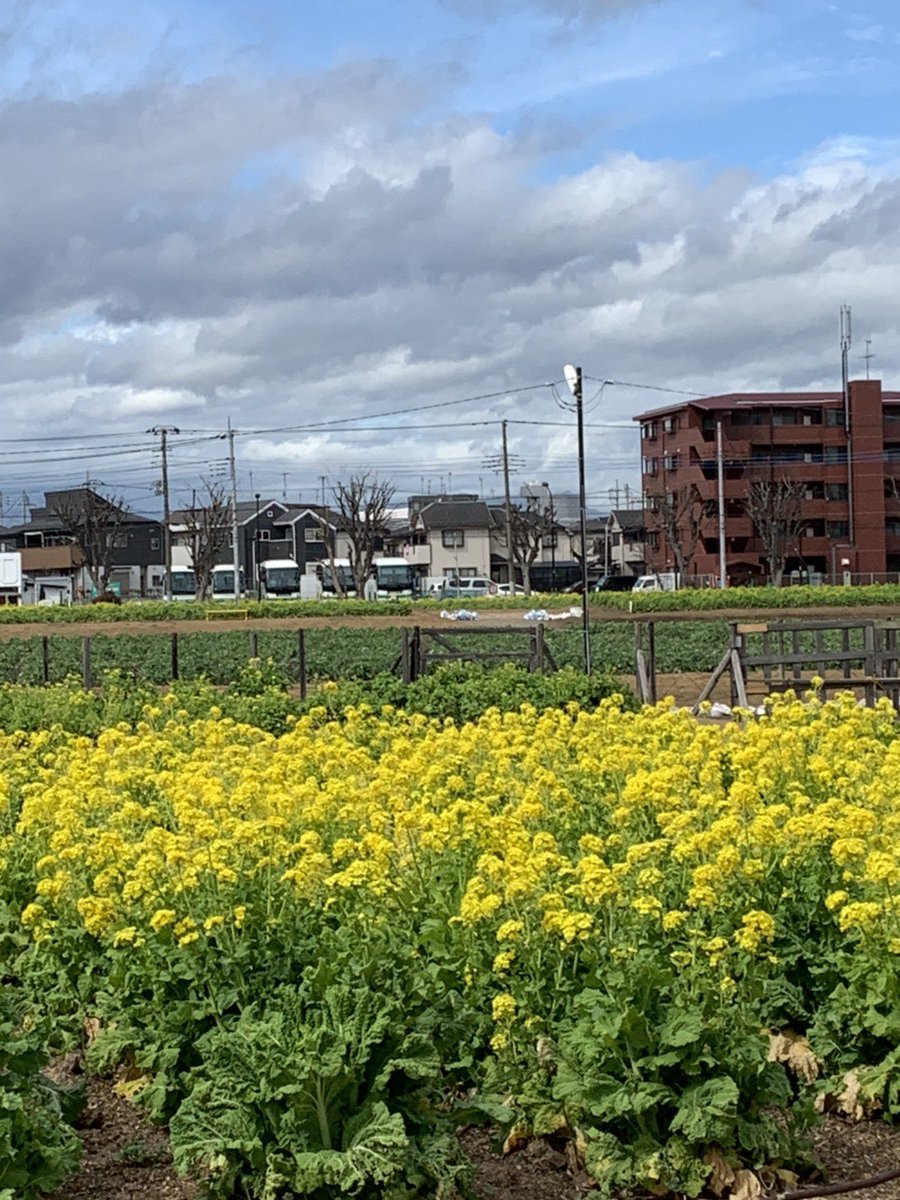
(784, 416)
(549, 541)
(648, 431)
(813, 491)
(835, 454)
(670, 462)
(120, 541)
(313, 533)
(834, 417)
(670, 425)
(892, 527)
(453, 538)
(653, 540)
(265, 535)
(892, 452)
(836, 491)
(741, 416)
(154, 543)
(650, 466)
(837, 529)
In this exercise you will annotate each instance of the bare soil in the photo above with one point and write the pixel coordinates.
(125, 1158)
(431, 618)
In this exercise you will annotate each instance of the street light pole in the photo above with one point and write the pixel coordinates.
(256, 562)
(573, 379)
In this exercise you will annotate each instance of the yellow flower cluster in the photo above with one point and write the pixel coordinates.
(555, 829)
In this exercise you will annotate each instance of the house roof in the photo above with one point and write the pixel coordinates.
(246, 509)
(628, 518)
(292, 515)
(456, 514)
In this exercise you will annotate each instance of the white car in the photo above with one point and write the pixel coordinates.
(469, 586)
(647, 583)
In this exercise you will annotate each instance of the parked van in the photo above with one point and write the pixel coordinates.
(469, 586)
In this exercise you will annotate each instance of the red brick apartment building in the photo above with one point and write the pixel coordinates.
(850, 511)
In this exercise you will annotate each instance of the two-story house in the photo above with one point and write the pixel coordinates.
(52, 547)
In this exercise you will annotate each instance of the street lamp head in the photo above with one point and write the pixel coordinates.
(570, 375)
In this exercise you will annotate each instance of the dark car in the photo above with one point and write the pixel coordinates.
(615, 583)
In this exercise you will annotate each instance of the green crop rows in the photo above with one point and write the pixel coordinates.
(336, 653)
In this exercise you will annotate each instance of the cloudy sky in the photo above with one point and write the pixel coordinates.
(338, 224)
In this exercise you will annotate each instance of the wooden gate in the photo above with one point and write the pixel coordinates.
(421, 649)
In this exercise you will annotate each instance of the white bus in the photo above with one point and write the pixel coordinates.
(223, 582)
(394, 576)
(280, 579)
(183, 583)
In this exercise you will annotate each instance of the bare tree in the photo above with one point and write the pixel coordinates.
(529, 530)
(775, 508)
(328, 536)
(94, 522)
(680, 516)
(207, 523)
(362, 505)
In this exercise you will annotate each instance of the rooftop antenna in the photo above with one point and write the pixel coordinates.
(868, 356)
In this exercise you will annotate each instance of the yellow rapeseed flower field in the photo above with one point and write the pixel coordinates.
(542, 852)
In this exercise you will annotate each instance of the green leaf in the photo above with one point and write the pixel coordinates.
(707, 1111)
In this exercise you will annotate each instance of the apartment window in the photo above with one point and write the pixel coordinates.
(670, 425)
(670, 462)
(835, 454)
(648, 431)
(836, 491)
(120, 541)
(837, 529)
(313, 533)
(784, 416)
(741, 416)
(154, 543)
(892, 528)
(813, 491)
(834, 417)
(892, 451)
(453, 538)
(650, 466)
(653, 540)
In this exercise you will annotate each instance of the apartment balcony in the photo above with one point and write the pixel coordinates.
(417, 556)
(51, 558)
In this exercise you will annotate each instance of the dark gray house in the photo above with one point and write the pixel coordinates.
(52, 545)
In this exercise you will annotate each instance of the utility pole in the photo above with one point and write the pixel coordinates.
(509, 539)
(235, 550)
(162, 432)
(574, 380)
(322, 480)
(720, 471)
